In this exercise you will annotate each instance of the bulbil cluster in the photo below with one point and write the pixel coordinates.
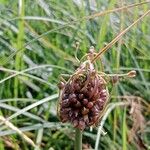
(83, 98)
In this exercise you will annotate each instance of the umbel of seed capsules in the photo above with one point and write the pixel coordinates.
(83, 98)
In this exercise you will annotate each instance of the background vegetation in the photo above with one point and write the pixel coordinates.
(37, 44)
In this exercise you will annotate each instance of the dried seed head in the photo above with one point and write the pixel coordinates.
(83, 98)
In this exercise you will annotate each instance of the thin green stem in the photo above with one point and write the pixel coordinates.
(20, 43)
(78, 139)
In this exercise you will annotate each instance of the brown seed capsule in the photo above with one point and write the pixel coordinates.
(100, 102)
(65, 103)
(95, 95)
(89, 105)
(85, 101)
(103, 94)
(72, 96)
(76, 112)
(91, 89)
(76, 87)
(81, 96)
(78, 104)
(61, 85)
(81, 125)
(86, 119)
(64, 118)
(75, 123)
(95, 118)
(65, 96)
(65, 110)
(131, 74)
(94, 110)
(73, 100)
(85, 111)
(85, 91)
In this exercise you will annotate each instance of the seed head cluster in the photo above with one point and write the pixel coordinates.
(83, 98)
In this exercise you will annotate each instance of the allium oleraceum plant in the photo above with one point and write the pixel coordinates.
(84, 96)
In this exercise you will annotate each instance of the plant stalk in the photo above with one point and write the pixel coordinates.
(78, 139)
(117, 38)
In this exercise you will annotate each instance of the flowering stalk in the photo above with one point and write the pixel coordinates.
(78, 139)
(82, 99)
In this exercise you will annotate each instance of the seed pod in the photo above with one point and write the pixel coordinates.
(86, 119)
(75, 123)
(72, 96)
(131, 74)
(81, 96)
(85, 101)
(81, 124)
(89, 105)
(65, 103)
(78, 104)
(76, 112)
(61, 85)
(85, 111)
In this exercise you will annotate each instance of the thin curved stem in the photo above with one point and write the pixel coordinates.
(111, 106)
(117, 38)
